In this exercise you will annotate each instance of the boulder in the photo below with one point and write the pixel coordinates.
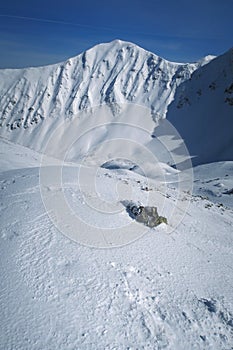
(146, 215)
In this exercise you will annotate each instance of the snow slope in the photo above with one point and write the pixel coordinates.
(214, 182)
(13, 156)
(202, 111)
(163, 291)
(33, 100)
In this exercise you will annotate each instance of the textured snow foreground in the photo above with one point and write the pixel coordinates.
(170, 291)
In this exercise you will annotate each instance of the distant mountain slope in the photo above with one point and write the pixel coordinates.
(202, 111)
(113, 73)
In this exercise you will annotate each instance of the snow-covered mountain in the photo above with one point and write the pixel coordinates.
(33, 99)
(202, 111)
(171, 288)
(197, 98)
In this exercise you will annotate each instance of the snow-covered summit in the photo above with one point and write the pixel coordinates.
(110, 73)
(206, 59)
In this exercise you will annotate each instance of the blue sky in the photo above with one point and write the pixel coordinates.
(42, 32)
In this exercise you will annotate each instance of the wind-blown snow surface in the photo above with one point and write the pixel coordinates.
(202, 111)
(160, 292)
(33, 100)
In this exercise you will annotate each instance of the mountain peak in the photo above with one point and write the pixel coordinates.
(206, 59)
(114, 73)
(117, 45)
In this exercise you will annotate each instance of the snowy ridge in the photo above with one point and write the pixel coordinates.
(202, 111)
(112, 73)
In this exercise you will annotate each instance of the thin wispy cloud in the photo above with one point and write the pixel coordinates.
(122, 29)
(178, 31)
(53, 21)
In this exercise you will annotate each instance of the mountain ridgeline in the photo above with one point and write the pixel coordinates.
(202, 111)
(34, 100)
(112, 73)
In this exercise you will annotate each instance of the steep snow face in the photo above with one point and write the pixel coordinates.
(33, 99)
(202, 111)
